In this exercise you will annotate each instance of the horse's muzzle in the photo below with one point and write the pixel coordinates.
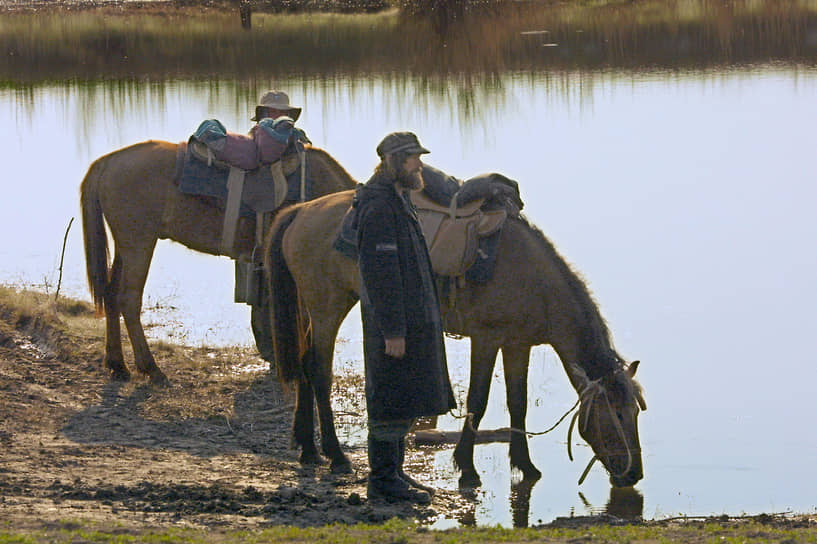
(626, 480)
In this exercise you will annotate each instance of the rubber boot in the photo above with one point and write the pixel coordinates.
(384, 481)
(411, 481)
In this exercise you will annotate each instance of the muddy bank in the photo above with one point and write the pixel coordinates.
(211, 450)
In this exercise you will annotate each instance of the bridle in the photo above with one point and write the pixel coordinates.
(588, 396)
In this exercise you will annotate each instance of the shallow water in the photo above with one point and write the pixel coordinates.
(684, 197)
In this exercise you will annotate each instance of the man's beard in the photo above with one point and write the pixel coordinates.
(411, 181)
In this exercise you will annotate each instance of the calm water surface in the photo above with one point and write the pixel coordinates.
(685, 199)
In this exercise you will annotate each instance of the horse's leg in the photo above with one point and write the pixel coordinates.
(261, 327)
(303, 423)
(483, 358)
(515, 363)
(135, 264)
(319, 372)
(114, 358)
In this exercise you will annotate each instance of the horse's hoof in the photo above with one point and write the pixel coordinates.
(343, 466)
(117, 370)
(119, 374)
(531, 474)
(310, 459)
(469, 480)
(159, 379)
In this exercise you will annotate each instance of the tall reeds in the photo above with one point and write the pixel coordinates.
(478, 39)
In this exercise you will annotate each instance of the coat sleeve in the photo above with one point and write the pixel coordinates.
(379, 263)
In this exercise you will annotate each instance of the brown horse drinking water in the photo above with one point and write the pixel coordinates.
(533, 298)
(133, 190)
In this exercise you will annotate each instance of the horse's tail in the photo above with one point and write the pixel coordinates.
(289, 324)
(94, 235)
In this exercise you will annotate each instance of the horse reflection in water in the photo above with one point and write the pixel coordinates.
(624, 503)
(533, 298)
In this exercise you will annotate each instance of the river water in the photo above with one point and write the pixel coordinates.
(683, 194)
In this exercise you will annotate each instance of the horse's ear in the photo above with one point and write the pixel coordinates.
(632, 368)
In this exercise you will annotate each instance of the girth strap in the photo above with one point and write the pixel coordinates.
(302, 156)
(235, 187)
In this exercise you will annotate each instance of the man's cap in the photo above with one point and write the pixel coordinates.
(277, 100)
(400, 142)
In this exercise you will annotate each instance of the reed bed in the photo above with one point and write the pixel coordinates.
(476, 40)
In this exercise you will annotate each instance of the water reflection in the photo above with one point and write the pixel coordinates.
(625, 503)
(520, 502)
(470, 59)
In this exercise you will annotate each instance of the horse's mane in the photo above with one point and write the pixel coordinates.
(600, 356)
(334, 166)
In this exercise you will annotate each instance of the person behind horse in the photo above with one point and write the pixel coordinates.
(404, 353)
(275, 105)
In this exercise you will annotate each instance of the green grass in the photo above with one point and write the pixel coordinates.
(779, 530)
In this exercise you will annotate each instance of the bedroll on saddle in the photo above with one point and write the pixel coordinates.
(265, 145)
(235, 149)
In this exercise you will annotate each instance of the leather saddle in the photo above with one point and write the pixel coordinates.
(460, 221)
(453, 232)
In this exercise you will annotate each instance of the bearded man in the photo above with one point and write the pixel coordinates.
(404, 354)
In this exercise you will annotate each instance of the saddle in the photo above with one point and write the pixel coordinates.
(257, 196)
(453, 232)
(461, 223)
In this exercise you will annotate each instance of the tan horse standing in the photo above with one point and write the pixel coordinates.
(533, 298)
(133, 191)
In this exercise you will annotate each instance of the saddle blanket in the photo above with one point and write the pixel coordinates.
(197, 178)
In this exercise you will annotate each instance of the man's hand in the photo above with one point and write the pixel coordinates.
(396, 347)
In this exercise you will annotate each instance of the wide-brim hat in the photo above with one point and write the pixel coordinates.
(400, 142)
(277, 100)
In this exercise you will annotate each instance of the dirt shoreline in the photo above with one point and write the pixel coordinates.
(211, 450)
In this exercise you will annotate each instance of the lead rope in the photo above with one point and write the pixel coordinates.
(469, 420)
(588, 394)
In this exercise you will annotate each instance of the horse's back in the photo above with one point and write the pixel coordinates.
(131, 185)
(148, 148)
(308, 243)
(140, 167)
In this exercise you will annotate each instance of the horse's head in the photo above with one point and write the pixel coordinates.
(608, 421)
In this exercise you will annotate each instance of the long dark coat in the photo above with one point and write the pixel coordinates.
(398, 298)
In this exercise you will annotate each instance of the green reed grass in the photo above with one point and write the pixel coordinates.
(485, 38)
(126, 58)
